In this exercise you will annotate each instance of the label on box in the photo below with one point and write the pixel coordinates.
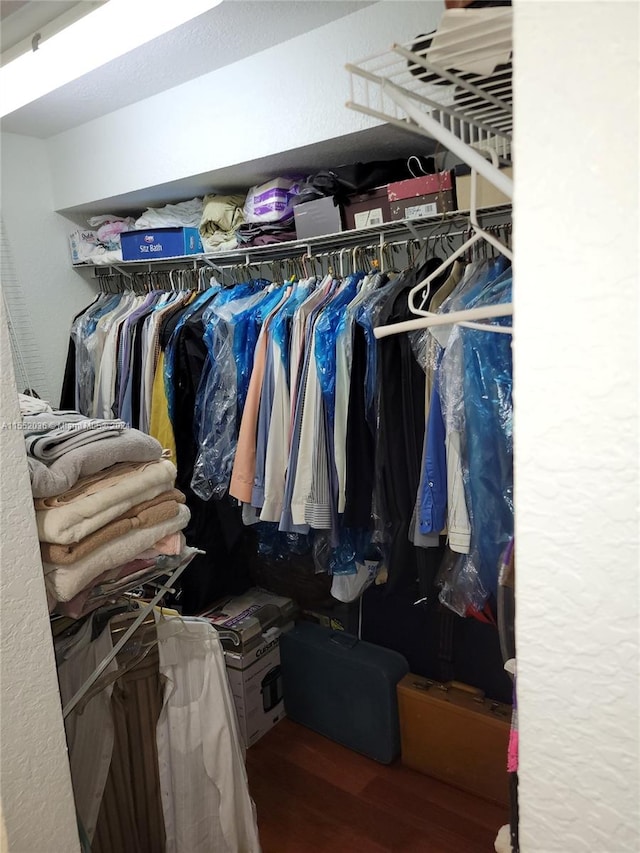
(418, 210)
(368, 218)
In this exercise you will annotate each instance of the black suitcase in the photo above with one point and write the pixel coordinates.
(343, 688)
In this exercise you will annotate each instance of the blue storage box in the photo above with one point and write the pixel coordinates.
(160, 243)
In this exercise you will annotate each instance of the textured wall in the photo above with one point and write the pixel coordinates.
(38, 241)
(576, 428)
(282, 98)
(35, 785)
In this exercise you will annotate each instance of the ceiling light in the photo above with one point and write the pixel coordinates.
(105, 34)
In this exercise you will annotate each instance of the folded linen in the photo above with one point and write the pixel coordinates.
(75, 608)
(54, 443)
(131, 445)
(93, 483)
(145, 514)
(74, 521)
(66, 581)
(172, 544)
(42, 422)
(184, 214)
(221, 215)
(32, 405)
(106, 589)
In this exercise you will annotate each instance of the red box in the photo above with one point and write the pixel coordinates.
(424, 185)
(423, 206)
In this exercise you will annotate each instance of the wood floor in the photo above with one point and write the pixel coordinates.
(314, 795)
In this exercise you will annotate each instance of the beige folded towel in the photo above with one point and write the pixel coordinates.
(146, 514)
(63, 582)
(74, 521)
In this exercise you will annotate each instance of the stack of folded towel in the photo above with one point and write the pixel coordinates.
(107, 512)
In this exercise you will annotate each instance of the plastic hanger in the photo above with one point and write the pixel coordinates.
(469, 317)
(478, 234)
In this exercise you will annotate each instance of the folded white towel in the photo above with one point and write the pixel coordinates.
(72, 522)
(63, 582)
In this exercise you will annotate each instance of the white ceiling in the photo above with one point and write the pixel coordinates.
(226, 34)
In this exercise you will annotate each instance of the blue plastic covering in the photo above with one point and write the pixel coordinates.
(216, 412)
(476, 383)
(325, 341)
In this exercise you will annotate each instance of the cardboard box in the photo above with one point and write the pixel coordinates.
(422, 186)
(317, 218)
(255, 680)
(251, 615)
(423, 206)
(257, 619)
(366, 210)
(160, 243)
(487, 194)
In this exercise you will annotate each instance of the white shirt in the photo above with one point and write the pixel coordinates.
(203, 782)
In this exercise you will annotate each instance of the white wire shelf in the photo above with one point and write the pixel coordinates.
(418, 86)
(386, 233)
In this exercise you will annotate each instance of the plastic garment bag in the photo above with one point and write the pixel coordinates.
(247, 322)
(325, 340)
(81, 329)
(216, 399)
(476, 384)
(169, 356)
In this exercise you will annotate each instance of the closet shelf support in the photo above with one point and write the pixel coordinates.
(465, 152)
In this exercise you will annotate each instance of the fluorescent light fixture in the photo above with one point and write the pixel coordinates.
(105, 34)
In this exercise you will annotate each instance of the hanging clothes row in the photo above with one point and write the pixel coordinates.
(276, 398)
(155, 755)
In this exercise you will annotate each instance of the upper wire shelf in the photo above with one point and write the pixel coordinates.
(421, 87)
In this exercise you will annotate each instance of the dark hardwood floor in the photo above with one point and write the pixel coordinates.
(314, 795)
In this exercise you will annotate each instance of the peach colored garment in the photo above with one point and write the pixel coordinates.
(171, 545)
(244, 464)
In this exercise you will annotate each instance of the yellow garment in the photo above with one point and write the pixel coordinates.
(160, 425)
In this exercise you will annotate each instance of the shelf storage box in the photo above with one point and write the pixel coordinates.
(317, 218)
(366, 210)
(425, 196)
(142, 245)
(487, 194)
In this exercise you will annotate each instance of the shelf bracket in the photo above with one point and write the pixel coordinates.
(465, 152)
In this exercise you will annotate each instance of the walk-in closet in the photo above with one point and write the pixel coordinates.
(319, 456)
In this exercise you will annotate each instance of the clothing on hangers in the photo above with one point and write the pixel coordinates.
(154, 751)
(286, 414)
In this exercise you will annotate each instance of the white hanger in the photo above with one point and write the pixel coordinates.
(479, 234)
(469, 316)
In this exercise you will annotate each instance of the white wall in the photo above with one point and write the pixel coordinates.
(38, 242)
(576, 428)
(35, 783)
(280, 99)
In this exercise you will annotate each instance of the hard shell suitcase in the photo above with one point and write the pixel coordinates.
(450, 731)
(343, 688)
